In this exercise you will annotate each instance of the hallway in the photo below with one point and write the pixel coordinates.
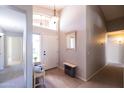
(109, 77)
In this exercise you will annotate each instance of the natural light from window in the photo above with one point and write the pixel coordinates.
(36, 48)
(45, 21)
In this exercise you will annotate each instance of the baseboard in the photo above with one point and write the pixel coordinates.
(79, 77)
(116, 64)
(95, 73)
(60, 67)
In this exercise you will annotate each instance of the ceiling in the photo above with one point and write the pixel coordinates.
(112, 11)
(11, 20)
(51, 7)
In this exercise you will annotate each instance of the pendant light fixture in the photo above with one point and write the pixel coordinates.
(54, 11)
(54, 14)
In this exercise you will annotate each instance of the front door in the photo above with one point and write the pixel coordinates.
(50, 51)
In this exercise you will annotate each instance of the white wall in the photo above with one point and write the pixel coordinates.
(1, 51)
(89, 24)
(114, 51)
(43, 31)
(27, 43)
(38, 9)
(14, 49)
(96, 30)
(73, 18)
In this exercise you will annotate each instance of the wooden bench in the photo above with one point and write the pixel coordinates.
(70, 69)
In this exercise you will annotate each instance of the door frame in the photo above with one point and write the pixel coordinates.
(2, 51)
(27, 41)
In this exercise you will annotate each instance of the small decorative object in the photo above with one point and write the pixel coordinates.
(35, 59)
(38, 68)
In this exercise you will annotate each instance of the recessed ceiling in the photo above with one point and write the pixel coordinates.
(11, 20)
(112, 11)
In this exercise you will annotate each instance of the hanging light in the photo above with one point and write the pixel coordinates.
(54, 18)
(54, 11)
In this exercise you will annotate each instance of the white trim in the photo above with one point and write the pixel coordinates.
(116, 64)
(79, 77)
(95, 73)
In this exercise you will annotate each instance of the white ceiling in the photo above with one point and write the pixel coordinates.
(11, 20)
(51, 7)
(112, 11)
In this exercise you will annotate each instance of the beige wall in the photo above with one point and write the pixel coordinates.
(95, 29)
(72, 18)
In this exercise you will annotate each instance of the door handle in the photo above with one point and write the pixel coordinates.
(44, 53)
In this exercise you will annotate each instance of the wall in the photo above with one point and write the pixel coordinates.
(43, 31)
(38, 9)
(14, 48)
(72, 18)
(114, 50)
(96, 30)
(1, 51)
(27, 42)
(10, 45)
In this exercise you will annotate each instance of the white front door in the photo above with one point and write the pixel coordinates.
(50, 51)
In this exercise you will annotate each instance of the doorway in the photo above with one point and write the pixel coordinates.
(50, 51)
(45, 50)
(14, 49)
(13, 27)
(36, 48)
(115, 48)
